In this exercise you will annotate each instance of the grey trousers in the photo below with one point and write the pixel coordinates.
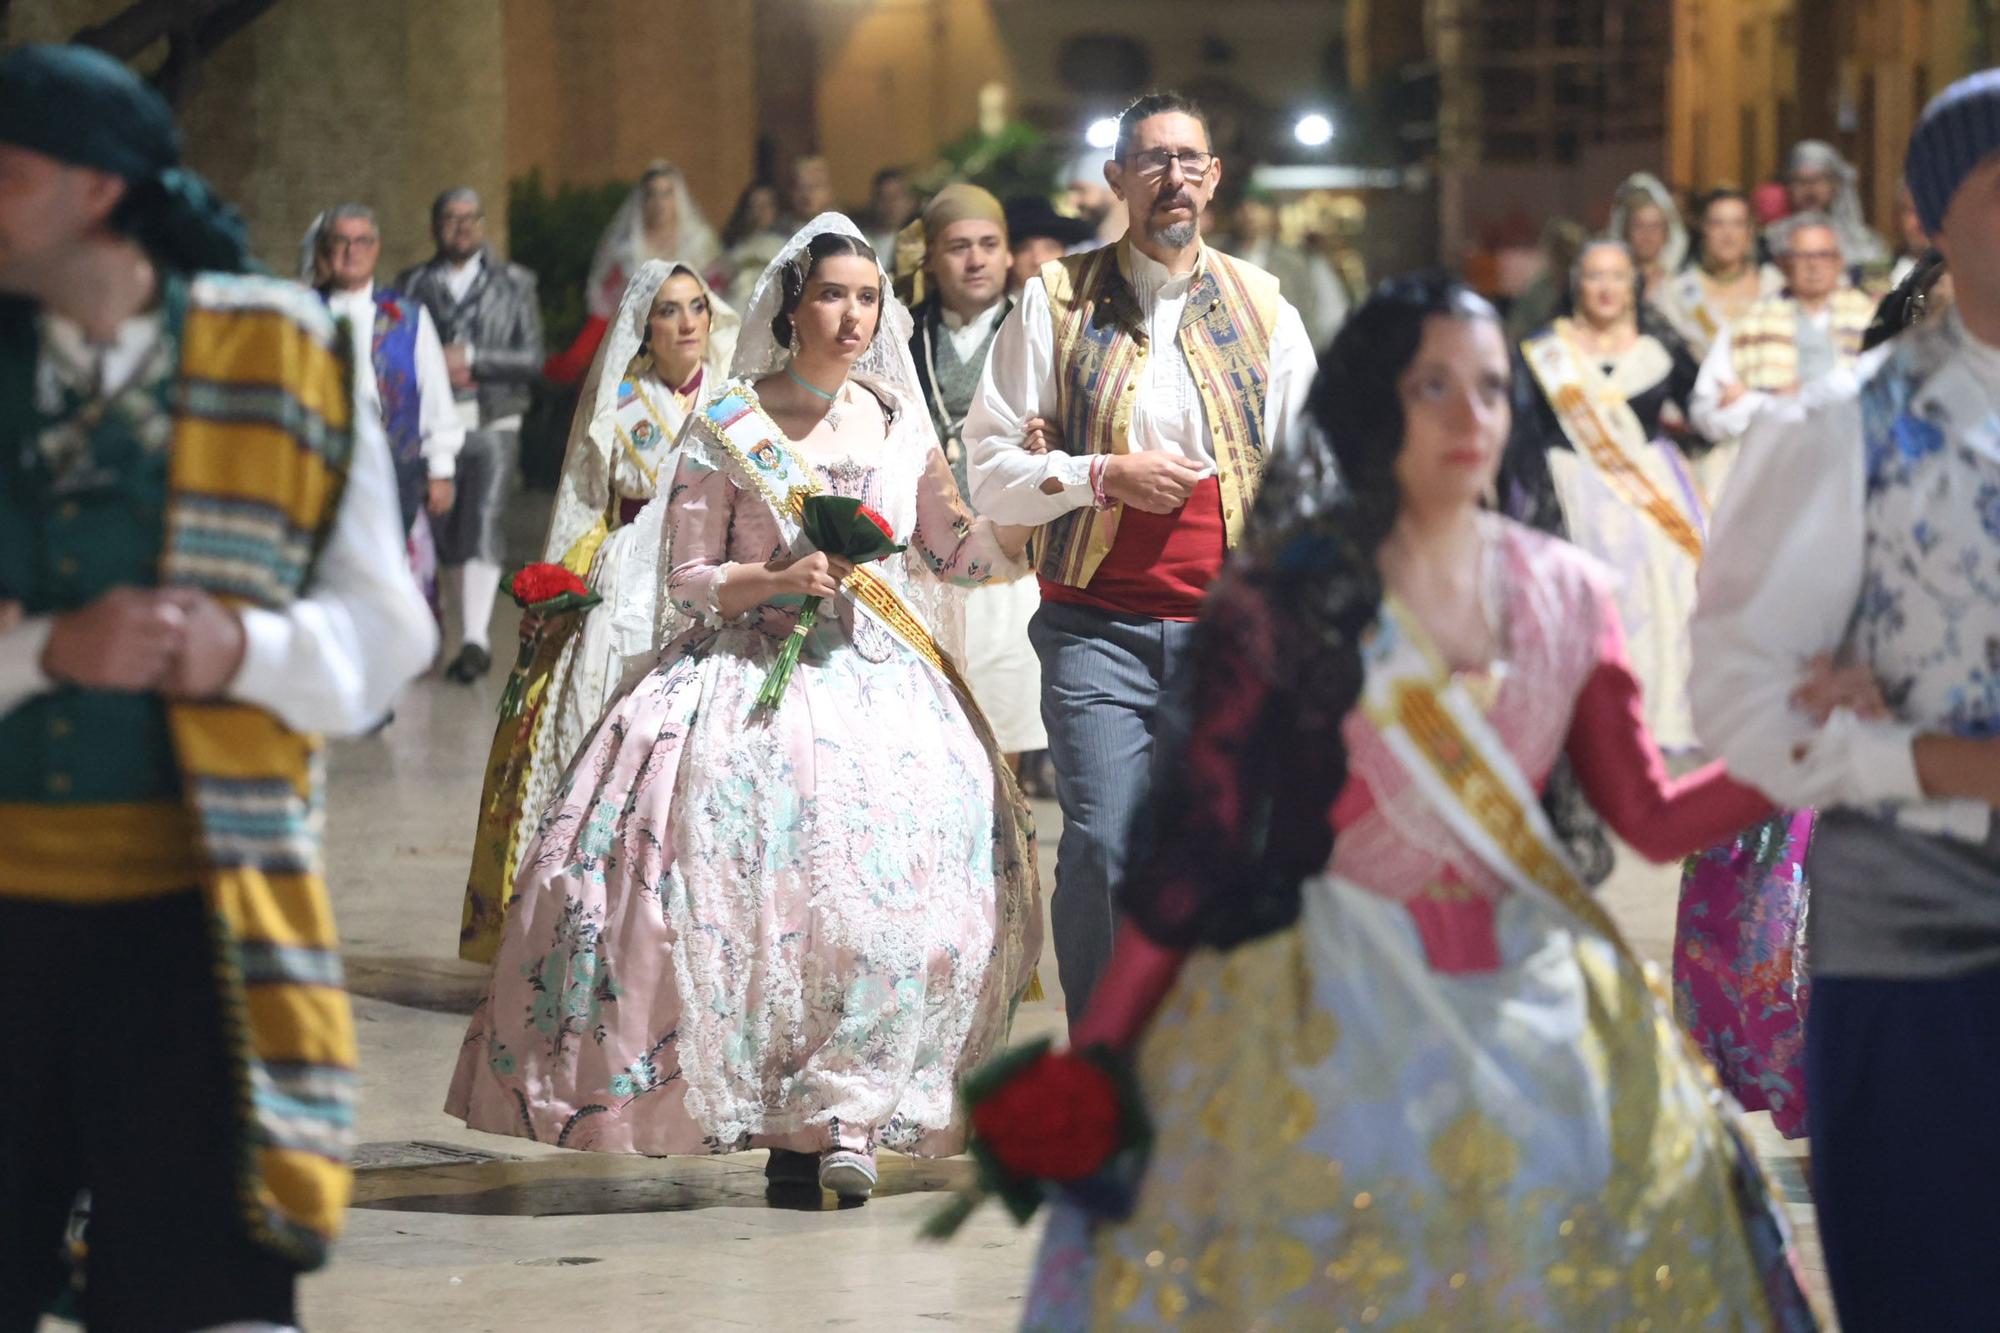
(486, 468)
(1113, 700)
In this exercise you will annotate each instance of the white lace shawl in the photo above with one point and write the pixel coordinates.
(583, 495)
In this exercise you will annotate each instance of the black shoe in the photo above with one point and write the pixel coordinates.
(786, 1167)
(471, 663)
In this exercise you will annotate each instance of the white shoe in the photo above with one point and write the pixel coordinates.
(851, 1175)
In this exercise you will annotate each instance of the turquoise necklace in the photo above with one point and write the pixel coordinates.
(833, 411)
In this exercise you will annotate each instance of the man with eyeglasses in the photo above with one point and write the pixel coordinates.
(411, 386)
(1783, 343)
(1158, 375)
(490, 320)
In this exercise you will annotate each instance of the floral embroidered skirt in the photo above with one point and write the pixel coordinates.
(1740, 985)
(1346, 1138)
(572, 673)
(741, 929)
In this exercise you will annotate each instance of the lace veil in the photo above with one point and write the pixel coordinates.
(1644, 188)
(644, 627)
(583, 496)
(623, 246)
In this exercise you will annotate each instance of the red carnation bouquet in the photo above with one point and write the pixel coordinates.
(1052, 1122)
(837, 525)
(545, 593)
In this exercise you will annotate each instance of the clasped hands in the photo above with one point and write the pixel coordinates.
(1828, 687)
(172, 641)
(1150, 481)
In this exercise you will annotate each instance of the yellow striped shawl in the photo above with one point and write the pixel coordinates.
(1764, 344)
(1101, 349)
(259, 458)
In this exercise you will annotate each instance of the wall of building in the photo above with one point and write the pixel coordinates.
(898, 79)
(1752, 77)
(595, 91)
(388, 103)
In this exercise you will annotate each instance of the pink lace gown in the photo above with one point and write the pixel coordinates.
(741, 930)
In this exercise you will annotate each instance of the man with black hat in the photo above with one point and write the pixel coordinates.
(1861, 526)
(201, 573)
(1039, 235)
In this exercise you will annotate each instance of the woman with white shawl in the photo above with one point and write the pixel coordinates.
(1645, 217)
(659, 219)
(668, 344)
(797, 926)
(1819, 180)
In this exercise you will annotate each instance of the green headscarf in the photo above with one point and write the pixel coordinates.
(82, 107)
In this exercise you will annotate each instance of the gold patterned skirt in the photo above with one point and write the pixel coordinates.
(1346, 1138)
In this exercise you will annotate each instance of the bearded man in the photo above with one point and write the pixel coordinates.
(1171, 372)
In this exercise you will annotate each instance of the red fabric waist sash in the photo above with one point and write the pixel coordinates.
(1160, 564)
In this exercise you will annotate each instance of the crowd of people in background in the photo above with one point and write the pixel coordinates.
(1352, 639)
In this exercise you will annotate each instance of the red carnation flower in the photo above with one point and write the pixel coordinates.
(536, 584)
(877, 520)
(1058, 1119)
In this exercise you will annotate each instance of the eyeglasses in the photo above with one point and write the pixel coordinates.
(458, 219)
(336, 244)
(1152, 163)
(1816, 256)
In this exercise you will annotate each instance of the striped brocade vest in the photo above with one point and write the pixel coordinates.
(1101, 350)
(1764, 344)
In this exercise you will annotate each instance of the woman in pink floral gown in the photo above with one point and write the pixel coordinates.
(791, 928)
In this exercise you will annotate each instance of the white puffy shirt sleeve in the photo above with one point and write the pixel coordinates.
(333, 660)
(1779, 582)
(1294, 363)
(442, 429)
(21, 647)
(1717, 423)
(1019, 382)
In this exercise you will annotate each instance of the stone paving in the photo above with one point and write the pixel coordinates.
(454, 1230)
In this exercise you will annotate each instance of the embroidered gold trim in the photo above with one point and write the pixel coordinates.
(1594, 438)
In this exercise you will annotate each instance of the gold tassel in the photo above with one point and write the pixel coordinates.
(1034, 991)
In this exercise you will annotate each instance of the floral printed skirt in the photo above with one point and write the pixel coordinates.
(1740, 985)
(741, 929)
(1345, 1137)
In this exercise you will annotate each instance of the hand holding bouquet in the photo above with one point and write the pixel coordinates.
(542, 591)
(1052, 1122)
(839, 526)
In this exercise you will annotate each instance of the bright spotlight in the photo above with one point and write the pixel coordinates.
(1313, 130)
(1103, 133)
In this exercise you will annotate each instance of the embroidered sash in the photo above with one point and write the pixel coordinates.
(1443, 740)
(1461, 765)
(737, 425)
(1604, 430)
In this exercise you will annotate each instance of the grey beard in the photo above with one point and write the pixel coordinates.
(1177, 236)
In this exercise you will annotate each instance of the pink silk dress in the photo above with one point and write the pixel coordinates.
(741, 929)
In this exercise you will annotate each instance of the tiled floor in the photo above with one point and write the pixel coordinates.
(454, 1230)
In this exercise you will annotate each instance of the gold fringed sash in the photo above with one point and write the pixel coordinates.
(1607, 433)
